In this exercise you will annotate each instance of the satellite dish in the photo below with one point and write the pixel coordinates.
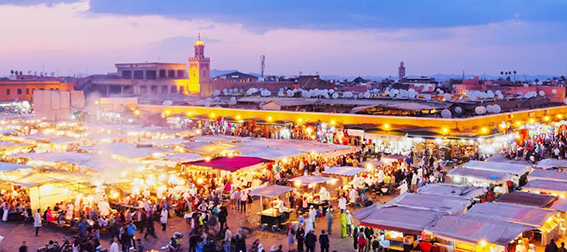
(336, 95)
(427, 97)
(489, 109)
(565, 101)
(447, 97)
(216, 92)
(207, 104)
(458, 110)
(233, 98)
(446, 113)
(480, 110)
(167, 103)
(290, 93)
(554, 91)
(496, 109)
(542, 93)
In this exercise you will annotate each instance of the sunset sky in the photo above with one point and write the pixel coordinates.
(333, 37)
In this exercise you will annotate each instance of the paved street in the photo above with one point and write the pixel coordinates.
(16, 232)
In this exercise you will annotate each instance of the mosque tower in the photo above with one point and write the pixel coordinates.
(401, 71)
(199, 70)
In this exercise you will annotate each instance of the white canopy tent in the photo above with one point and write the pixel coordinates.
(173, 160)
(270, 191)
(479, 175)
(462, 191)
(520, 214)
(401, 219)
(129, 151)
(548, 175)
(548, 186)
(56, 157)
(310, 180)
(471, 230)
(10, 167)
(559, 205)
(348, 171)
(388, 159)
(551, 163)
(448, 204)
(516, 169)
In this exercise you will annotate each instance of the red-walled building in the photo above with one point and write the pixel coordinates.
(22, 90)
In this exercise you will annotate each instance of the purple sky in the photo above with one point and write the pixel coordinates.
(72, 37)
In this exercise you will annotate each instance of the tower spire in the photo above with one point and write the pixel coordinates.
(199, 35)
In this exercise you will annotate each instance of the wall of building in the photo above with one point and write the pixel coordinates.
(208, 89)
(22, 90)
(471, 124)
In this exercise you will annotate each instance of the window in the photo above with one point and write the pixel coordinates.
(171, 74)
(162, 73)
(19, 91)
(127, 74)
(139, 74)
(8, 91)
(173, 90)
(41, 88)
(180, 74)
(151, 74)
(57, 89)
(27, 91)
(153, 89)
(164, 89)
(182, 89)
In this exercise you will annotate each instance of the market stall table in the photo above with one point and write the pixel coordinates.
(273, 217)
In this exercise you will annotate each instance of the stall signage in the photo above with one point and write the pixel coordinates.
(355, 132)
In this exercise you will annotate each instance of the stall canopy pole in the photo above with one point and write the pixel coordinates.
(261, 204)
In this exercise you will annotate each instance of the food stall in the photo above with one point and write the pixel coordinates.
(557, 188)
(515, 169)
(399, 222)
(454, 190)
(311, 182)
(542, 220)
(389, 159)
(547, 175)
(345, 172)
(448, 204)
(550, 163)
(474, 234)
(272, 216)
(462, 175)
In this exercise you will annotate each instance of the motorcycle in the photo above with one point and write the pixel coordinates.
(178, 237)
(53, 246)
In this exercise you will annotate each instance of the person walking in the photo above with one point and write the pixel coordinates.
(349, 223)
(240, 240)
(114, 247)
(37, 222)
(562, 248)
(551, 246)
(343, 226)
(300, 236)
(163, 219)
(310, 241)
(222, 217)
(361, 241)
(150, 229)
(324, 241)
(227, 239)
(342, 203)
(24, 247)
(329, 217)
(243, 201)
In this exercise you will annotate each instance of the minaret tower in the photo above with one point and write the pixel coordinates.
(401, 71)
(199, 70)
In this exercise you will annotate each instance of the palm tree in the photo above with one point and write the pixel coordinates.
(11, 71)
(21, 73)
(515, 75)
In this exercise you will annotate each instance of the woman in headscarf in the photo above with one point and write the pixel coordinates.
(343, 226)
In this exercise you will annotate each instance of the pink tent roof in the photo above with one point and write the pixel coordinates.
(230, 164)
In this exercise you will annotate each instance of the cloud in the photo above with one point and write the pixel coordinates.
(72, 37)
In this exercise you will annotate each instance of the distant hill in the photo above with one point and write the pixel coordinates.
(439, 76)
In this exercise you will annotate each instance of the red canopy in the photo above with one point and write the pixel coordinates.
(230, 164)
